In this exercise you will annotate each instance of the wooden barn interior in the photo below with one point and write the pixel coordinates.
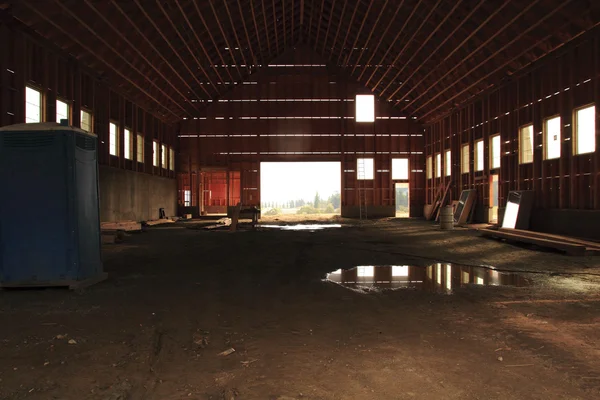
(484, 110)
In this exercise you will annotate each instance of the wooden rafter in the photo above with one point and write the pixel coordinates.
(347, 33)
(260, 48)
(237, 39)
(254, 60)
(329, 25)
(266, 26)
(233, 60)
(368, 41)
(362, 24)
(275, 26)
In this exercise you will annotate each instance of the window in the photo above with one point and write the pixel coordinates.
(163, 155)
(365, 108)
(495, 152)
(365, 168)
(448, 159)
(552, 138)
(585, 130)
(62, 111)
(399, 168)
(187, 195)
(365, 271)
(86, 121)
(479, 155)
(140, 148)
(526, 144)
(128, 144)
(438, 165)
(172, 159)
(33, 105)
(113, 144)
(429, 167)
(155, 154)
(464, 161)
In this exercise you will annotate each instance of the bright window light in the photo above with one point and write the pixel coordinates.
(365, 169)
(510, 215)
(479, 280)
(187, 196)
(172, 159)
(526, 144)
(552, 135)
(365, 108)
(429, 167)
(399, 168)
(366, 271)
(86, 121)
(62, 110)
(464, 161)
(140, 148)
(33, 105)
(448, 159)
(448, 276)
(438, 165)
(585, 130)
(127, 138)
(399, 270)
(479, 155)
(465, 277)
(113, 138)
(163, 152)
(155, 155)
(495, 152)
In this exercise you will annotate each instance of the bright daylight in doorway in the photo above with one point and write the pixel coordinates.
(300, 188)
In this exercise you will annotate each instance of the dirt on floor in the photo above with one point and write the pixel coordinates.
(195, 314)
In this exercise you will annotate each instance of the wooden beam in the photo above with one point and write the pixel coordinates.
(262, 53)
(275, 27)
(235, 35)
(233, 60)
(337, 31)
(481, 46)
(329, 25)
(191, 27)
(318, 27)
(523, 33)
(362, 24)
(433, 32)
(254, 60)
(301, 12)
(350, 25)
(184, 41)
(266, 26)
(385, 32)
(212, 38)
(432, 53)
(365, 46)
(108, 45)
(400, 31)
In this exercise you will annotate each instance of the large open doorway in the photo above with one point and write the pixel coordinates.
(402, 200)
(300, 189)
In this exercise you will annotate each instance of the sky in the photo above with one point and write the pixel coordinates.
(284, 181)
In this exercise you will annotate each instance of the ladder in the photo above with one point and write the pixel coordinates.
(362, 194)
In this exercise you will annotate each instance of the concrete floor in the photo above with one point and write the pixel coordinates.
(178, 297)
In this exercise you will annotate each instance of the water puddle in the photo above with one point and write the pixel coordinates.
(437, 278)
(301, 227)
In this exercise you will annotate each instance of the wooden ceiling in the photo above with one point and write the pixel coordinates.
(424, 56)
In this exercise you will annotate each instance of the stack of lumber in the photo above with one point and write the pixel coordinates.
(440, 200)
(569, 245)
(127, 226)
(153, 222)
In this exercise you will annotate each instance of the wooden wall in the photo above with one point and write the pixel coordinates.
(556, 85)
(27, 59)
(296, 109)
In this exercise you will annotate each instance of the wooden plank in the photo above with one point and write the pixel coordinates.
(121, 226)
(542, 235)
(569, 248)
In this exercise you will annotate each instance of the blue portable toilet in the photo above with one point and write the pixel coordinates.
(49, 221)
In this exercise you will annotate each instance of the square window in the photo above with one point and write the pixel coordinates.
(140, 148)
(448, 159)
(365, 108)
(552, 138)
(62, 111)
(365, 169)
(113, 144)
(495, 152)
(399, 168)
(86, 121)
(585, 130)
(479, 155)
(172, 159)
(365, 271)
(128, 144)
(163, 154)
(465, 160)
(33, 105)
(438, 165)
(526, 144)
(155, 155)
(429, 167)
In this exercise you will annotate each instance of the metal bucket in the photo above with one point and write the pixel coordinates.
(447, 218)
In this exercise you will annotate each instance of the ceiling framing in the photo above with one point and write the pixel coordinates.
(425, 57)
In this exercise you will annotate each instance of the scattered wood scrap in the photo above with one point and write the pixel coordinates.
(571, 246)
(159, 221)
(127, 226)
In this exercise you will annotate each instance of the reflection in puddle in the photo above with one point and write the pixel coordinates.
(301, 227)
(439, 278)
